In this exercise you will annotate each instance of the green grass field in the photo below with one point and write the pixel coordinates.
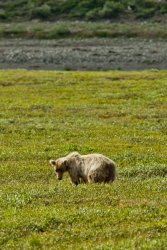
(46, 114)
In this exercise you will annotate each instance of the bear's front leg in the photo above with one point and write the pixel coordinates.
(75, 181)
(74, 177)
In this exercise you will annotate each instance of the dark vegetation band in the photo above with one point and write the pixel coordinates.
(52, 10)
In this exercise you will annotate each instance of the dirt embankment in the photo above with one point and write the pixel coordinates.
(86, 54)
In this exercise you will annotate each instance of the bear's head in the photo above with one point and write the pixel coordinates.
(60, 166)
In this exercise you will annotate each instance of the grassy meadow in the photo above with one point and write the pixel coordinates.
(46, 114)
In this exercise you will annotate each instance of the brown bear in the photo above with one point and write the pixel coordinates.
(90, 168)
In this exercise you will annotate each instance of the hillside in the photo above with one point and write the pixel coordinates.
(51, 10)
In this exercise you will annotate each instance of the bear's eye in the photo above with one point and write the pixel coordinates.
(58, 170)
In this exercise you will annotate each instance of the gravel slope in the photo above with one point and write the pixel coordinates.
(86, 54)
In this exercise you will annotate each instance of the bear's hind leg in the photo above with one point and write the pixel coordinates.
(95, 176)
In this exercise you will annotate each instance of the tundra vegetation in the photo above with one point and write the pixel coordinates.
(72, 18)
(83, 9)
(46, 114)
(81, 29)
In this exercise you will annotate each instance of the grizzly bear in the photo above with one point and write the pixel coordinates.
(90, 168)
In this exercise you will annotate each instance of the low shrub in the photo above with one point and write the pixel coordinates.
(83, 9)
(111, 9)
(41, 12)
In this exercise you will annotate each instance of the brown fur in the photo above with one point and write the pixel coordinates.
(90, 168)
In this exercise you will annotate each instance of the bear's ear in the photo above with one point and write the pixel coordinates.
(52, 162)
